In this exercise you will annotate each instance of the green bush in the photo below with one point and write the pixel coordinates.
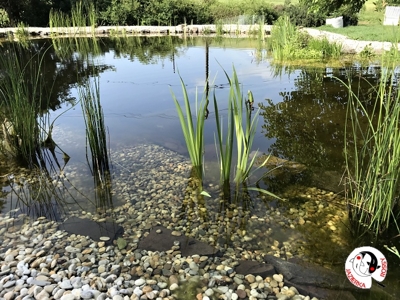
(121, 12)
(260, 8)
(4, 20)
(299, 15)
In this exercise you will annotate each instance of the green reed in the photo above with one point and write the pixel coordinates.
(22, 34)
(96, 139)
(89, 95)
(193, 131)
(289, 43)
(22, 94)
(373, 156)
(219, 28)
(82, 14)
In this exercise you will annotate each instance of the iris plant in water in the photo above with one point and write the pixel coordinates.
(193, 128)
(238, 111)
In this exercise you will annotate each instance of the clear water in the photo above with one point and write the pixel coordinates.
(302, 110)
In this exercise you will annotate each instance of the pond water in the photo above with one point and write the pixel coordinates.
(301, 123)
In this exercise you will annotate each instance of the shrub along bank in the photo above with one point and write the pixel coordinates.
(169, 12)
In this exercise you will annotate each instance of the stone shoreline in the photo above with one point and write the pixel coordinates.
(349, 45)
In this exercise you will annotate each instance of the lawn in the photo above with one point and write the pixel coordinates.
(365, 32)
(369, 27)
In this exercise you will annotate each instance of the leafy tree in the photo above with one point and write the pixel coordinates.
(332, 6)
(14, 9)
(32, 12)
(120, 12)
(4, 20)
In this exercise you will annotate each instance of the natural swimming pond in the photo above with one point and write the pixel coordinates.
(301, 124)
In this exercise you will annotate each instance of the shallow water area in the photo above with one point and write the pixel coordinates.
(148, 182)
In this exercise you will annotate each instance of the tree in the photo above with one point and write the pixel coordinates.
(331, 6)
(14, 9)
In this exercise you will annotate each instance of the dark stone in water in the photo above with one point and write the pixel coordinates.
(165, 240)
(317, 281)
(94, 230)
(255, 268)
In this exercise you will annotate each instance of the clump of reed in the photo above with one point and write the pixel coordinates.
(25, 126)
(289, 43)
(22, 35)
(22, 94)
(96, 139)
(83, 14)
(373, 155)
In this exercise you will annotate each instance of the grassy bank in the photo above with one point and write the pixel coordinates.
(370, 26)
(366, 32)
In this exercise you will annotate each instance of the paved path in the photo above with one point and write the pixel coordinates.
(349, 45)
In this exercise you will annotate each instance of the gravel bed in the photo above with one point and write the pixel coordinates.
(39, 261)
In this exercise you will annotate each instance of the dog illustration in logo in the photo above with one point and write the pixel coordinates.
(365, 263)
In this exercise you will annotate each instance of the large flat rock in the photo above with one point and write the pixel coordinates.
(94, 230)
(320, 282)
(255, 268)
(164, 241)
(304, 273)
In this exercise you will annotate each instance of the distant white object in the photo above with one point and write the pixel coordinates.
(392, 15)
(335, 22)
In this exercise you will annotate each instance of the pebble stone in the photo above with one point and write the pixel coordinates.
(39, 260)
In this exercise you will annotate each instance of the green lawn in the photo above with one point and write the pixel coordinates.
(368, 33)
(369, 27)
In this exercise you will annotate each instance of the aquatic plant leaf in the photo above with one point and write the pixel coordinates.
(204, 193)
(121, 243)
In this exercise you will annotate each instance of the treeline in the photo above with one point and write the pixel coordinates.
(173, 12)
(134, 12)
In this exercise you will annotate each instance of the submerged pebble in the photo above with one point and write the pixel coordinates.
(152, 187)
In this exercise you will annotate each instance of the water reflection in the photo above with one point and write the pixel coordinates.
(308, 124)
